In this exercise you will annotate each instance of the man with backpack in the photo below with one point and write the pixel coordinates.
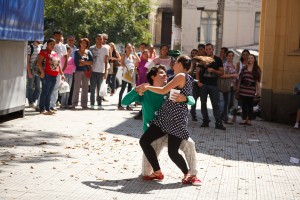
(33, 87)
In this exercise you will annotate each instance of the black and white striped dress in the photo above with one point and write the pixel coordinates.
(172, 117)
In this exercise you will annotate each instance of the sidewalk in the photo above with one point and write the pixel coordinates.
(95, 154)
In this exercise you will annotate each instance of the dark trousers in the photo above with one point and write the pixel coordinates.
(71, 90)
(213, 93)
(153, 133)
(124, 84)
(48, 84)
(111, 81)
(96, 81)
(196, 95)
(247, 107)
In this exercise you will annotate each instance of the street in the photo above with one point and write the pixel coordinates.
(95, 154)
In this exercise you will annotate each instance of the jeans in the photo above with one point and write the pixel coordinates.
(47, 88)
(33, 88)
(96, 81)
(196, 95)
(124, 84)
(213, 93)
(111, 81)
(65, 96)
(228, 102)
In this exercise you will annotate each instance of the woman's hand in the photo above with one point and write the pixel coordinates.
(176, 97)
(199, 84)
(42, 74)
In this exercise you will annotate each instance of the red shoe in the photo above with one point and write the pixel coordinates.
(154, 176)
(195, 181)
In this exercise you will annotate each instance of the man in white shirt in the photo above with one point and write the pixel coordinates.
(61, 51)
(100, 58)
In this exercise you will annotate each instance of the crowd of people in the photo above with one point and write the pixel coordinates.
(229, 85)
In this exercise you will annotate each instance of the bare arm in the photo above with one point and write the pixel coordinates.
(40, 59)
(177, 81)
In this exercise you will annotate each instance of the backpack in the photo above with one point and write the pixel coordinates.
(35, 68)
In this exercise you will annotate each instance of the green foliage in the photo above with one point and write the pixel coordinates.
(123, 20)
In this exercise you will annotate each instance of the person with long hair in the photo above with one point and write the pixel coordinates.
(229, 72)
(127, 62)
(172, 119)
(248, 87)
(49, 73)
(163, 58)
(83, 60)
(115, 62)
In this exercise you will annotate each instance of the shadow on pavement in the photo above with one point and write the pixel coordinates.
(129, 186)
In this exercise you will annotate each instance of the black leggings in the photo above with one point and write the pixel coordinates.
(247, 107)
(153, 133)
(123, 87)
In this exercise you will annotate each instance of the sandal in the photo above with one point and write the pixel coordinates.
(186, 180)
(154, 176)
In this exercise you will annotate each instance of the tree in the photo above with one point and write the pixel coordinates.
(123, 20)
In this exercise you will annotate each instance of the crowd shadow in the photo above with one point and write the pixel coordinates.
(263, 142)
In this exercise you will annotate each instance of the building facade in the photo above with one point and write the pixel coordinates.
(279, 54)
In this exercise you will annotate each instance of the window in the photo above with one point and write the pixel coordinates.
(208, 30)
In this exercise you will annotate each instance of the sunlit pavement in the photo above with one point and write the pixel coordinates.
(94, 154)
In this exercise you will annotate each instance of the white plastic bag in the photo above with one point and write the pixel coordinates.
(63, 87)
(103, 89)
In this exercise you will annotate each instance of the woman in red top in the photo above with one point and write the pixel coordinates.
(49, 72)
(248, 87)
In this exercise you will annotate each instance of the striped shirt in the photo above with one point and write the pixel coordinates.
(247, 83)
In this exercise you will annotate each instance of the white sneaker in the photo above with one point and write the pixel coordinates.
(100, 108)
(296, 125)
(92, 107)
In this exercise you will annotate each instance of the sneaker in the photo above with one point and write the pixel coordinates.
(58, 103)
(100, 108)
(296, 125)
(205, 124)
(92, 107)
(220, 126)
(53, 109)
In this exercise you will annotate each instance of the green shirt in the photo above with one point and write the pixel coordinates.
(151, 102)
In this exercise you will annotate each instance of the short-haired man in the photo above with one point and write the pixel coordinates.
(208, 76)
(223, 53)
(100, 57)
(71, 43)
(201, 50)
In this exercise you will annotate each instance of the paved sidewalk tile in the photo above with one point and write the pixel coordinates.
(95, 154)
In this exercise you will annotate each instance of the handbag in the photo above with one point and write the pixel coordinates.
(128, 75)
(88, 72)
(103, 90)
(224, 84)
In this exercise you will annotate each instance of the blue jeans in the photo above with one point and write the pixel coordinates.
(65, 96)
(47, 87)
(33, 88)
(96, 81)
(228, 102)
(213, 93)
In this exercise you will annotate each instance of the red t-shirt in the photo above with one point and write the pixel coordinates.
(52, 62)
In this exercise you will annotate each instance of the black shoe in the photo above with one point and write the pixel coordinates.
(138, 117)
(205, 124)
(194, 119)
(220, 126)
